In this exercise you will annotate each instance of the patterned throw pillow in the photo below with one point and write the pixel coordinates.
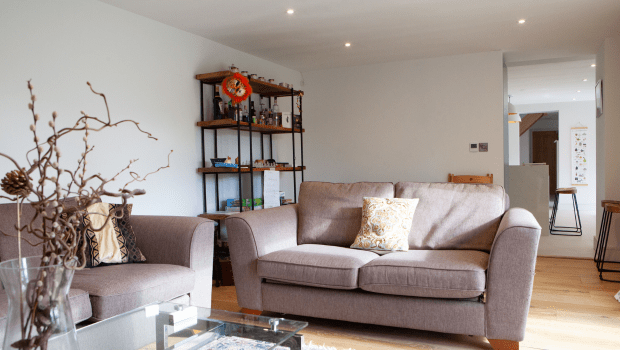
(116, 242)
(386, 223)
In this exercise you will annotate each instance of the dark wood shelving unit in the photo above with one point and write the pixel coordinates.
(263, 89)
(229, 123)
(214, 170)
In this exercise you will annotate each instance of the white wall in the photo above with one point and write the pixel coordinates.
(514, 156)
(571, 114)
(405, 121)
(525, 148)
(608, 129)
(147, 71)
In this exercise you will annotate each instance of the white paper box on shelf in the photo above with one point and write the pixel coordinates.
(287, 121)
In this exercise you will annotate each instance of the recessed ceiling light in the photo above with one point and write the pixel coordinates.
(578, 90)
(347, 44)
(521, 21)
(290, 11)
(574, 99)
(593, 65)
(585, 80)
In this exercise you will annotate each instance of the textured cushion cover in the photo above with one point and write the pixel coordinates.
(115, 243)
(454, 216)
(427, 273)
(331, 213)
(386, 223)
(115, 289)
(315, 265)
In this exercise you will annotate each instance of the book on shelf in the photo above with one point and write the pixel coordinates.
(234, 202)
(238, 209)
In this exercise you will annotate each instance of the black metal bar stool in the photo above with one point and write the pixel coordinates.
(609, 208)
(570, 230)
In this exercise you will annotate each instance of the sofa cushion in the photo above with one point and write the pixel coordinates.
(116, 289)
(386, 223)
(78, 299)
(427, 273)
(331, 213)
(110, 241)
(8, 220)
(454, 216)
(315, 265)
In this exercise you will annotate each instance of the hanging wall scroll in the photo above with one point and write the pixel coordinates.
(579, 161)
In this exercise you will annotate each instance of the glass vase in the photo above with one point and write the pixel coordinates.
(39, 315)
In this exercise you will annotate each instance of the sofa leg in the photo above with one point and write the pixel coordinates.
(501, 344)
(250, 311)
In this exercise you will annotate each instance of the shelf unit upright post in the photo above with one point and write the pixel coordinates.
(263, 89)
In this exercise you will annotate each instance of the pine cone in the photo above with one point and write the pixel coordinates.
(15, 183)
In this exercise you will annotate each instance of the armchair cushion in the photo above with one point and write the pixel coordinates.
(315, 265)
(427, 273)
(115, 243)
(115, 289)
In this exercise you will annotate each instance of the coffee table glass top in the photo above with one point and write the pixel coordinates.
(164, 326)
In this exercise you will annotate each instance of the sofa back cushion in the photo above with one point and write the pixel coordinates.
(454, 216)
(331, 213)
(8, 219)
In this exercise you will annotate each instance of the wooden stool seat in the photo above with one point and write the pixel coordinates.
(566, 230)
(566, 190)
(605, 201)
(612, 208)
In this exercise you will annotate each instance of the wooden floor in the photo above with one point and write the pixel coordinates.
(571, 309)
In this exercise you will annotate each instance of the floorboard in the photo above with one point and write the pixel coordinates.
(570, 309)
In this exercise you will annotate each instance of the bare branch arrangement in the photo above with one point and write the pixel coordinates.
(57, 225)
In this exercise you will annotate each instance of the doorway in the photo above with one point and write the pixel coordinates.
(544, 150)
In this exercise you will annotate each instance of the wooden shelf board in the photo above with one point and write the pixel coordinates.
(258, 87)
(217, 215)
(214, 170)
(231, 124)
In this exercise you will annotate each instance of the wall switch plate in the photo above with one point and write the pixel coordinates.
(473, 147)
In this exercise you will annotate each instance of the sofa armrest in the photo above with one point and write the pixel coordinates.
(179, 240)
(252, 235)
(510, 275)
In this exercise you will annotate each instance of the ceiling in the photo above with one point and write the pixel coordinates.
(391, 30)
(552, 82)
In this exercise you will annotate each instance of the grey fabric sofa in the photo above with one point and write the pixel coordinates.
(469, 270)
(179, 253)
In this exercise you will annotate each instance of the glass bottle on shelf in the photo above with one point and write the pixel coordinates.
(252, 113)
(218, 104)
(231, 111)
(275, 110)
(262, 117)
(245, 114)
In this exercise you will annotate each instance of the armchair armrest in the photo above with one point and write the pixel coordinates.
(178, 240)
(254, 234)
(510, 275)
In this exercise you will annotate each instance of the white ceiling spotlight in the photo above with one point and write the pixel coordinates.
(521, 21)
(347, 44)
(585, 79)
(593, 65)
(290, 11)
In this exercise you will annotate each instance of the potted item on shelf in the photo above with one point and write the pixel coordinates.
(234, 69)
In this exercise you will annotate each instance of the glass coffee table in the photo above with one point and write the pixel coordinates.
(169, 326)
